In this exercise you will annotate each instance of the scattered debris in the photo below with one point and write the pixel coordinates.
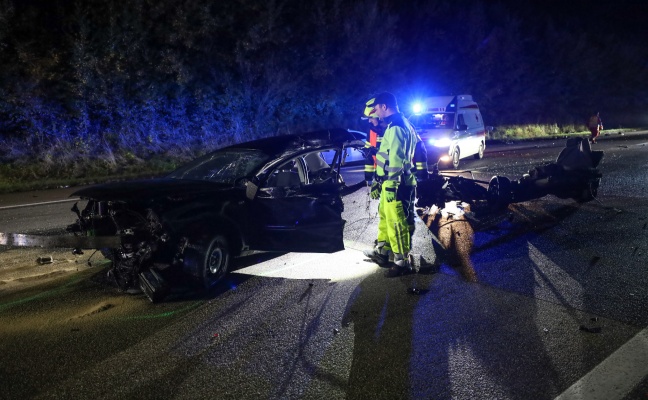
(45, 260)
(336, 331)
(590, 329)
(593, 327)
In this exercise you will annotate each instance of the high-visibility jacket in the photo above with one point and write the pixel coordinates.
(396, 153)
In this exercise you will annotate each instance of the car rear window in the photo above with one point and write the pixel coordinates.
(223, 166)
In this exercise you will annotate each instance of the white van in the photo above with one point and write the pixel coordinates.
(452, 129)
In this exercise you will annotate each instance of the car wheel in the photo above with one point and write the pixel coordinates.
(455, 158)
(215, 262)
(480, 152)
(499, 192)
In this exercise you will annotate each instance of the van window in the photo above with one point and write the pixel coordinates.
(433, 121)
(460, 121)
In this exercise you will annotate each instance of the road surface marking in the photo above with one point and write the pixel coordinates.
(37, 204)
(616, 376)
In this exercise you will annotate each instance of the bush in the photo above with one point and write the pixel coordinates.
(522, 132)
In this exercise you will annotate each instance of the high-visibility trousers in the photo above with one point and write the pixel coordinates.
(396, 223)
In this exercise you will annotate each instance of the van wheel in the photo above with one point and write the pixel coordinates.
(455, 158)
(480, 152)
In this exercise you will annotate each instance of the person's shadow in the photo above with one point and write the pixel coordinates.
(435, 335)
(381, 311)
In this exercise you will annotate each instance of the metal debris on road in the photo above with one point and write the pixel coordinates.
(590, 329)
(45, 260)
(593, 327)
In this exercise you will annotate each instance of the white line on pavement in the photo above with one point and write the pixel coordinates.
(44, 203)
(616, 376)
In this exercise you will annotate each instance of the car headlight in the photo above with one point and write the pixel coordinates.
(443, 142)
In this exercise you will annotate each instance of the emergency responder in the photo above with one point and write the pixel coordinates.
(595, 126)
(376, 131)
(395, 186)
(420, 158)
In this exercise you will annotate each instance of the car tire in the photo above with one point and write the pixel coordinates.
(480, 152)
(455, 158)
(208, 262)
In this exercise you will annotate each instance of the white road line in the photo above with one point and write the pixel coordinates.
(616, 376)
(37, 204)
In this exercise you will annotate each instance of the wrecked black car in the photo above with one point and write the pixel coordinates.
(274, 194)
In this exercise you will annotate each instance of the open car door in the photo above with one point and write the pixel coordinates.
(299, 207)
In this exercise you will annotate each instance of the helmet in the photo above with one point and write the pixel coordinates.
(369, 111)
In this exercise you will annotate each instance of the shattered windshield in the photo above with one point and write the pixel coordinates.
(223, 166)
(433, 121)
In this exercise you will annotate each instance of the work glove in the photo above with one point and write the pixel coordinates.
(390, 194)
(374, 193)
(368, 152)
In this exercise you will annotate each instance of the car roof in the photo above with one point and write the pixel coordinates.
(315, 139)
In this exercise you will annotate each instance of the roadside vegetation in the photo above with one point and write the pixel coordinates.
(93, 91)
(549, 131)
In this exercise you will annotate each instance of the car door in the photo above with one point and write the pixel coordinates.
(462, 136)
(476, 130)
(295, 209)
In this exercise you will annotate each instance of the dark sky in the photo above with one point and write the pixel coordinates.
(625, 18)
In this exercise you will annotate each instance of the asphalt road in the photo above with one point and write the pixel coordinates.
(546, 299)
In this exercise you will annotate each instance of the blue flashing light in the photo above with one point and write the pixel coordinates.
(417, 108)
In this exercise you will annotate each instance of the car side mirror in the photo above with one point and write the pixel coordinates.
(462, 127)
